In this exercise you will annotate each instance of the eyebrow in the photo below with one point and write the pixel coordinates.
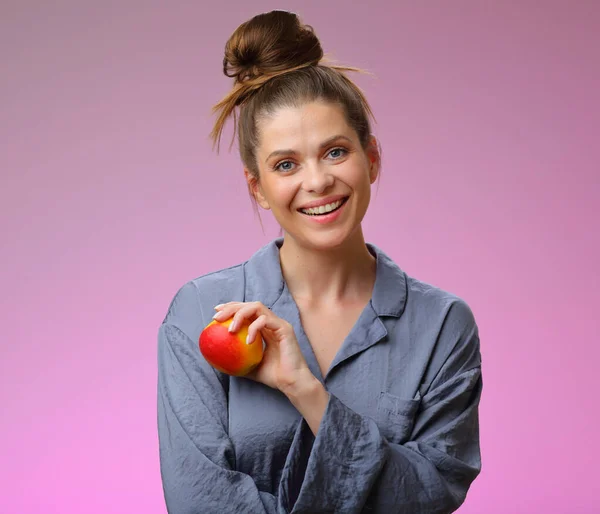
(321, 146)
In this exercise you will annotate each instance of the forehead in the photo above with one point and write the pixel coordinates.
(302, 127)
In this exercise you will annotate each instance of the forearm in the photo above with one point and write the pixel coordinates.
(195, 451)
(431, 473)
(310, 398)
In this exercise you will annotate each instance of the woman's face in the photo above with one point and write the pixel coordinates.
(309, 156)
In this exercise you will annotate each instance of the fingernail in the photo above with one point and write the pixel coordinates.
(232, 326)
(217, 315)
(218, 306)
(248, 340)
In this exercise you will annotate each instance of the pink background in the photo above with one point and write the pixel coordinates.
(111, 198)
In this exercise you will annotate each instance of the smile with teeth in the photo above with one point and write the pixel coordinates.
(324, 209)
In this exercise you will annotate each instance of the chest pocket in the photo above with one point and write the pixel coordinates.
(396, 416)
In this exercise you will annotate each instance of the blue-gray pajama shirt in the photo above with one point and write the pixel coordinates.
(400, 433)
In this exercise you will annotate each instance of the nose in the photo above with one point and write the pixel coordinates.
(317, 179)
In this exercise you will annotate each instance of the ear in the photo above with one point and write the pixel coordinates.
(374, 157)
(255, 189)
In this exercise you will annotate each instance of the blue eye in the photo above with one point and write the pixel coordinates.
(282, 166)
(342, 152)
(334, 153)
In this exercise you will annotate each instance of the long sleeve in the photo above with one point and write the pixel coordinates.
(351, 467)
(196, 454)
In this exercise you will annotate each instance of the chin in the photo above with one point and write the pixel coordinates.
(323, 240)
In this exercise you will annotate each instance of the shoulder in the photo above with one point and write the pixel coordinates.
(198, 296)
(433, 302)
(447, 318)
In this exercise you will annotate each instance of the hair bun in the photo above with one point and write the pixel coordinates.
(270, 43)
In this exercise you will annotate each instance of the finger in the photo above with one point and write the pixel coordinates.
(247, 311)
(255, 327)
(227, 310)
(271, 320)
(223, 305)
(275, 323)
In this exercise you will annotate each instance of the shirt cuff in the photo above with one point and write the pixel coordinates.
(335, 470)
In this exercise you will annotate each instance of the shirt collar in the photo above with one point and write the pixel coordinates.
(265, 283)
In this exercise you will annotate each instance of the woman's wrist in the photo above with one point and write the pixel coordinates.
(310, 398)
(299, 385)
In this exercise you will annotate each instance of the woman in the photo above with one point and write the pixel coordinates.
(367, 396)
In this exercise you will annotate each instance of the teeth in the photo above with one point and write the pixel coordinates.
(322, 209)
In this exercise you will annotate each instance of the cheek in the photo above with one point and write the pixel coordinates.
(361, 184)
(283, 195)
(360, 177)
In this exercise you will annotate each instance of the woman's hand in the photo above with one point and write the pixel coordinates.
(283, 365)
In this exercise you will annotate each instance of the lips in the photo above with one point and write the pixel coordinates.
(324, 201)
(315, 212)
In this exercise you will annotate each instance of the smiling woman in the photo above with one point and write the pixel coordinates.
(320, 187)
(366, 398)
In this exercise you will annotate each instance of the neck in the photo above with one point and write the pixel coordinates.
(340, 275)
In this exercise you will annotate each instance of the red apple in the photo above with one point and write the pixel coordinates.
(229, 352)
